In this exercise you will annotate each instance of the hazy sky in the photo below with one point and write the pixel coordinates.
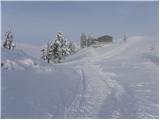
(38, 22)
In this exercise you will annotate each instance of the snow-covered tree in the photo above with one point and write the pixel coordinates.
(56, 51)
(8, 41)
(43, 55)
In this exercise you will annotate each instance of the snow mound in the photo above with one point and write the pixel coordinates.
(27, 62)
(15, 59)
(10, 65)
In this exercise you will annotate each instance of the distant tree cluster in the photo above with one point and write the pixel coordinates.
(58, 49)
(85, 41)
(8, 41)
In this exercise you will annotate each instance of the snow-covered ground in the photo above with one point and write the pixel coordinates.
(118, 80)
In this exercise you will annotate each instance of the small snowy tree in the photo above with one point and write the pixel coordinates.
(8, 41)
(69, 48)
(43, 56)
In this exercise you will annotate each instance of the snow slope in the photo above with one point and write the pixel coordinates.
(118, 80)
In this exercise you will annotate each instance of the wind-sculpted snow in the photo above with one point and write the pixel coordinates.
(117, 80)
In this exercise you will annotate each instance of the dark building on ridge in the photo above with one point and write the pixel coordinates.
(95, 42)
(105, 38)
(100, 40)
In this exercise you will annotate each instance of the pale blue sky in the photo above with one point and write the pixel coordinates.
(38, 22)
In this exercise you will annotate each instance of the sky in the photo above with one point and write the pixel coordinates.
(37, 22)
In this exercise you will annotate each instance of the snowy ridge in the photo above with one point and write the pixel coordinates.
(118, 80)
(105, 51)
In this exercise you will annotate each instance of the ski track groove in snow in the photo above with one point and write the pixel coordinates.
(96, 86)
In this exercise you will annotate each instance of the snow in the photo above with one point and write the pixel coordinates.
(27, 62)
(117, 80)
(28, 48)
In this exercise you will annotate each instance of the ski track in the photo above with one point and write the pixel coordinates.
(96, 86)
